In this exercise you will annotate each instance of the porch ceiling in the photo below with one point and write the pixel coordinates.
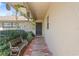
(38, 9)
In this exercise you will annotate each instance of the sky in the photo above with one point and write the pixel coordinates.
(4, 11)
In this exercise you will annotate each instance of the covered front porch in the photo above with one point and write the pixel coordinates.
(22, 27)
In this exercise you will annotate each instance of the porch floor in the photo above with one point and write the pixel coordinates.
(37, 47)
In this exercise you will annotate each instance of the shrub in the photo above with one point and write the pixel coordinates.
(23, 34)
(8, 35)
(30, 36)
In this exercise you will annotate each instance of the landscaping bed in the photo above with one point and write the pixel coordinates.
(7, 35)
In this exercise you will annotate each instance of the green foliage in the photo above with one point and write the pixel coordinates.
(8, 35)
(4, 52)
(5, 37)
(17, 7)
(30, 36)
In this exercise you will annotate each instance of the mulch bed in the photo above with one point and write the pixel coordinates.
(28, 50)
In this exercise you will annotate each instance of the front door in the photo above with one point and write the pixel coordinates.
(38, 29)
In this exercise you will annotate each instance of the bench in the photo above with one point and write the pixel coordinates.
(16, 45)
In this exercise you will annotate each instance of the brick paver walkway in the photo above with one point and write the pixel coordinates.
(38, 47)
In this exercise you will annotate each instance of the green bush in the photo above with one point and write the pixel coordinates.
(30, 36)
(8, 35)
(5, 52)
(23, 34)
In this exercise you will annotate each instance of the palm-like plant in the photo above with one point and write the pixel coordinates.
(24, 14)
(16, 15)
(17, 6)
(8, 7)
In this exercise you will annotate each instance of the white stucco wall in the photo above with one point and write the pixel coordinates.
(27, 26)
(62, 37)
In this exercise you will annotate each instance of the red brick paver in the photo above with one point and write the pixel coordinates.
(37, 47)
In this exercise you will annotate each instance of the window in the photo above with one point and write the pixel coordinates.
(9, 25)
(47, 22)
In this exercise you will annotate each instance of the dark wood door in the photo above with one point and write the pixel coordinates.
(38, 29)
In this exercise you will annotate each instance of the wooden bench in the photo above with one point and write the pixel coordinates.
(16, 45)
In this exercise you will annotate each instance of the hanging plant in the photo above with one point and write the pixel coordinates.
(18, 6)
(8, 6)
